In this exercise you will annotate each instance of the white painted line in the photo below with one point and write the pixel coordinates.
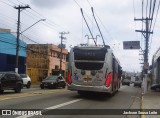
(63, 104)
(54, 107)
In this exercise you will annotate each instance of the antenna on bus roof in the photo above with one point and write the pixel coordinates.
(98, 26)
(88, 27)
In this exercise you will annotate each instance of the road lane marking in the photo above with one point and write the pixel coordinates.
(54, 107)
(63, 104)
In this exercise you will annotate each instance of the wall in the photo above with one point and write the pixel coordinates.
(8, 52)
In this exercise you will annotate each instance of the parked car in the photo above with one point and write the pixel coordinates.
(26, 80)
(126, 82)
(53, 82)
(155, 87)
(138, 83)
(10, 81)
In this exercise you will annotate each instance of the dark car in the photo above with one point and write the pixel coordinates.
(10, 81)
(126, 82)
(155, 87)
(138, 83)
(53, 82)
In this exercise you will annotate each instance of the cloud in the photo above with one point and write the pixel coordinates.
(49, 3)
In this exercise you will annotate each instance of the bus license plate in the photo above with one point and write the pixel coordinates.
(87, 79)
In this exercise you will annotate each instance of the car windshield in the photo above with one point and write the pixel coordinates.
(51, 78)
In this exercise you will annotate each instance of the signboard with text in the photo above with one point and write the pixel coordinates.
(131, 45)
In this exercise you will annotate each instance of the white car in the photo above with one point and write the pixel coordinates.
(26, 80)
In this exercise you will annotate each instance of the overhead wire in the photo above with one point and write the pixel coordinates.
(152, 14)
(155, 22)
(26, 14)
(50, 24)
(6, 3)
(147, 8)
(23, 47)
(107, 31)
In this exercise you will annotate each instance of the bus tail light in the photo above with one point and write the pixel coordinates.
(108, 80)
(69, 80)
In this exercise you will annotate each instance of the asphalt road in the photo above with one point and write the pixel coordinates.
(50, 100)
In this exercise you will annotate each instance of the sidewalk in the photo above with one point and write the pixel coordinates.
(35, 85)
(151, 100)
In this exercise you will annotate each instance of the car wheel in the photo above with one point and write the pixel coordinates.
(28, 85)
(1, 91)
(18, 88)
(42, 86)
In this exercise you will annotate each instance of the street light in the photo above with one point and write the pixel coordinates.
(33, 25)
(17, 47)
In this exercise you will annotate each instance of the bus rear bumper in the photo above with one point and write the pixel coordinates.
(74, 87)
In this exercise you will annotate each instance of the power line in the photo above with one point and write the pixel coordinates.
(107, 31)
(85, 13)
(40, 16)
(6, 3)
(155, 22)
(150, 9)
(13, 3)
(30, 39)
(152, 14)
(146, 8)
(101, 23)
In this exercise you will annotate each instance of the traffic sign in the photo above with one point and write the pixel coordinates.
(131, 45)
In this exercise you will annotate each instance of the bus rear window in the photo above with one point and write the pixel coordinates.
(88, 65)
(90, 54)
(93, 54)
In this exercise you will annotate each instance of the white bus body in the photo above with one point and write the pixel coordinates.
(93, 68)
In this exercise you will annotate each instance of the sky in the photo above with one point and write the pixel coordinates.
(115, 19)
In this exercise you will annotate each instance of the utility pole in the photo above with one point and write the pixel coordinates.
(146, 33)
(19, 8)
(62, 38)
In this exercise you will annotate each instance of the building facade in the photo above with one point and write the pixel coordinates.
(44, 60)
(8, 52)
(156, 69)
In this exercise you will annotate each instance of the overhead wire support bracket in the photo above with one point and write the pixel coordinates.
(136, 19)
(143, 31)
(98, 26)
(88, 27)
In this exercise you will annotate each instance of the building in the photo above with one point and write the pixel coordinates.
(8, 52)
(44, 60)
(155, 71)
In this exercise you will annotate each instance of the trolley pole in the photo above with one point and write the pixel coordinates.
(19, 8)
(146, 33)
(62, 38)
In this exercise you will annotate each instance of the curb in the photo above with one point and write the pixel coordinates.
(35, 86)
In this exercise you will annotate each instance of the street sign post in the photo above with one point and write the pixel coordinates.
(131, 45)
